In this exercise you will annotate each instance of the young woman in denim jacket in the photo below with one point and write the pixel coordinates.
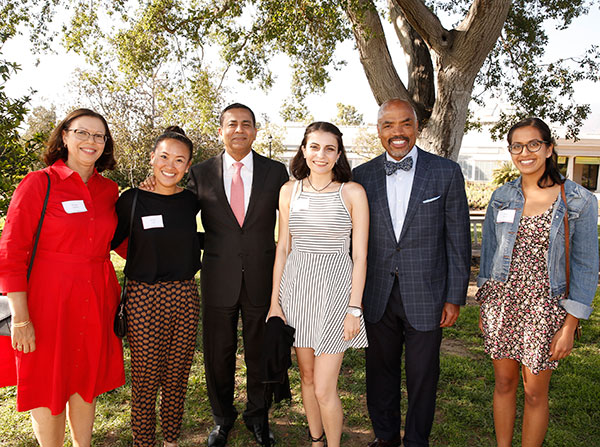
(526, 317)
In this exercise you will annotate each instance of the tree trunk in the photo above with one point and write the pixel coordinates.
(443, 132)
(458, 55)
(421, 87)
(374, 53)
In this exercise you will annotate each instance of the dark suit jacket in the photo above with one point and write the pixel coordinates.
(231, 251)
(432, 257)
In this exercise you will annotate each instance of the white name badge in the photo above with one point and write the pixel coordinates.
(506, 216)
(302, 204)
(152, 222)
(74, 206)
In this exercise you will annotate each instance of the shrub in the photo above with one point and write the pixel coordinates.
(478, 194)
(504, 174)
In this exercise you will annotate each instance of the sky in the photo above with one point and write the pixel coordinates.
(50, 78)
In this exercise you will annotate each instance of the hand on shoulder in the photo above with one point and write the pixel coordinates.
(148, 184)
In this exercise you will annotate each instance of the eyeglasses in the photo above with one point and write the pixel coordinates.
(84, 135)
(532, 146)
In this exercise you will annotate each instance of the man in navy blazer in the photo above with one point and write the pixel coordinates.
(417, 273)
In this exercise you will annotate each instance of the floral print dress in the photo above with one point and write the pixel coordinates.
(520, 317)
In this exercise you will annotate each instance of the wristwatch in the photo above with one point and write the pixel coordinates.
(354, 311)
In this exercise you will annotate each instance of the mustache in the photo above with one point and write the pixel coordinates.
(398, 137)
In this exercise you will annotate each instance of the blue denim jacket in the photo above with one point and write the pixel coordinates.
(499, 239)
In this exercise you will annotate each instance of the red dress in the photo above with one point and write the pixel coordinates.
(72, 293)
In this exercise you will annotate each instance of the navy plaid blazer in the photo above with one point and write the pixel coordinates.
(433, 255)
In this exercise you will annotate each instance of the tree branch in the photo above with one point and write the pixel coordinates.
(421, 87)
(426, 24)
(478, 32)
(374, 53)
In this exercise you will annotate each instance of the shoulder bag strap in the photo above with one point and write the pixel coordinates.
(567, 254)
(39, 228)
(135, 196)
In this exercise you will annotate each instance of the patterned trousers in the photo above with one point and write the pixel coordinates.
(162, 324)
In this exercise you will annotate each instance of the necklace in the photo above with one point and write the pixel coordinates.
(319, 190)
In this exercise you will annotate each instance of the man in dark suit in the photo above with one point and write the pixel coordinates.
(417, 273)
(238, 194)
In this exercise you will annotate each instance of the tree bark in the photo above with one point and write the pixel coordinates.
(426, 24)
(444, 130)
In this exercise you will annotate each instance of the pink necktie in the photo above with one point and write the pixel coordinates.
(237, 194)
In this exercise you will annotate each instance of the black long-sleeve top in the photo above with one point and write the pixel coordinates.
(164, 241)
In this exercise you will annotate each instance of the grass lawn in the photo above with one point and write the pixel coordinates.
(464, 411)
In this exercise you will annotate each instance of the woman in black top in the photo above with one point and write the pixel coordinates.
(162, 296)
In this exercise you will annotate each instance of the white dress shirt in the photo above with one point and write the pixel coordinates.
(246, 173)
(399, 186)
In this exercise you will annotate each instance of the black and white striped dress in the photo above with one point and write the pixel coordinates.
(316, 282)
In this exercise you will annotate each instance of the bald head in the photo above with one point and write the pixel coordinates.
(395, 102)
(397, 127)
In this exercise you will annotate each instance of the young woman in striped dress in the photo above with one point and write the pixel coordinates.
(317, 280)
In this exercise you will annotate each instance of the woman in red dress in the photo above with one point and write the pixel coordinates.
(62, 342)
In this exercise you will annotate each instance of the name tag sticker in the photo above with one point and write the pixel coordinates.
(302, 204)
(152, 222)
(74, 206)
(507, 216)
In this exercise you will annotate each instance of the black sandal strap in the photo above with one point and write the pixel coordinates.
(319, 439)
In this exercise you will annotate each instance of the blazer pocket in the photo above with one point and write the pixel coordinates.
(433, 199)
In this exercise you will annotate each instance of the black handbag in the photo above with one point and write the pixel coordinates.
(120, 324)
(5, 316)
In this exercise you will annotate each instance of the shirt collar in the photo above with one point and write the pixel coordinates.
(64, 172)
(248, 161)
(414, 153)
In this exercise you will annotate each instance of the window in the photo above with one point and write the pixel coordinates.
(484, 170)
(466, 168)
(589, 177)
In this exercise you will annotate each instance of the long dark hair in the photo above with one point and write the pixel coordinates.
(56, 149)
(175, 133)
(341, 169)
(551, 175)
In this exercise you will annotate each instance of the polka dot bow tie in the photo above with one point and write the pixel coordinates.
(392, 166)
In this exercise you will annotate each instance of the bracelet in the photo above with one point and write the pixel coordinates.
(21, 324)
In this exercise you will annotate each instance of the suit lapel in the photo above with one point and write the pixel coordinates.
(382, 205)
(259, 175)
(418, 188)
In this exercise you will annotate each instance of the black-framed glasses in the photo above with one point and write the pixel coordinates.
(84, 135)
(532, 146)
